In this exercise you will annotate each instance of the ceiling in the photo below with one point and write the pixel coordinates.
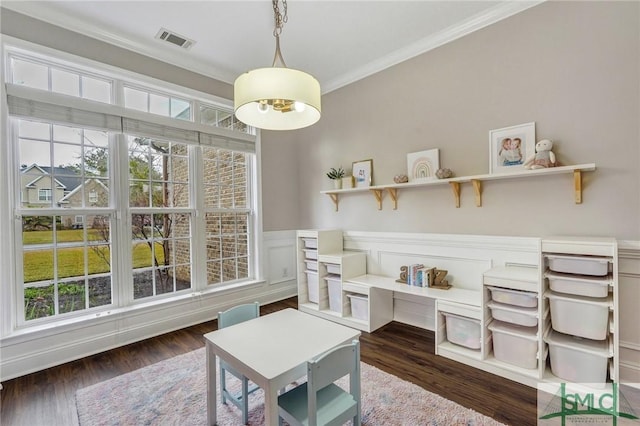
(338, 42)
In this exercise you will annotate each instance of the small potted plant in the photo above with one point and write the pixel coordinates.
(336, 176)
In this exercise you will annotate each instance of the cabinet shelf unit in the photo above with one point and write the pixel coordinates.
(584, 289)
(311, 244)
(514, 292)
(334, 269)
(476, 181)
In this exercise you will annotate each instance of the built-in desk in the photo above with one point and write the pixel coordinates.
(457, 295)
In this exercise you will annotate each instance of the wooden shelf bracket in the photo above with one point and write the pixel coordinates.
(334, 198)
(378, 194)
(393, 193)
(455, 186)
(577, 184)
(477, 188)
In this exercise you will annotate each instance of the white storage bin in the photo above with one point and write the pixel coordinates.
(527, 317)
(310, 243)
(310, 254)
(578, 360)
(313, 286)
(332, 268)
(583, 265)
(580, 285)
(335, 292)
(579, 315)
(312, 265)
(359, 306)
(514, 344)
(514, 297)
(462, 330)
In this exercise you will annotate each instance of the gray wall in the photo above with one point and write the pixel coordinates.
(572, 67)
(280, 184)
(42, 33)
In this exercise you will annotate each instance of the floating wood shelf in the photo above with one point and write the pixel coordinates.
(476, 182)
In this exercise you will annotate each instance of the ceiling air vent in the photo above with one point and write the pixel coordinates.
(173, 38)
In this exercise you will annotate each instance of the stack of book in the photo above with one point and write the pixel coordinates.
(420, 276)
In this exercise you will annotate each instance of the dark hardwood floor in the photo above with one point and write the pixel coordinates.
(48, 397)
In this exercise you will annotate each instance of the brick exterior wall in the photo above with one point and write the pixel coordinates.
(224, 186)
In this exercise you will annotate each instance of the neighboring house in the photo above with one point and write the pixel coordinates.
(45, 186)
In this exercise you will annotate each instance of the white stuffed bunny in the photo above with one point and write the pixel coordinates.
(543, 158)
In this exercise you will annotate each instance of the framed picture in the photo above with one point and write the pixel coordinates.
(423, 165)
(362, 172)
(510, 147)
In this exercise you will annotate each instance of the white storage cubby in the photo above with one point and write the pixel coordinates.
(463, 331)
(580, 287)
(311, 244)
(579, 360)
(512, 313)
(334, 286)
(580, 315)
(313, 286)
(502, 323)
(515, 344)
(359, 306)
(322, 259)
(526, 299)
(527, 317)
(459, 330)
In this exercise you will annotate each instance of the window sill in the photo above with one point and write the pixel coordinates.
(27, 333)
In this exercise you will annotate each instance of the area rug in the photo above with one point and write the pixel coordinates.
(173, 392)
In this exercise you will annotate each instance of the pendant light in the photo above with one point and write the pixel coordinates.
(277, 98)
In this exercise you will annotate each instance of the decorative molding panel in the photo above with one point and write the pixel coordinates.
(280, 258)
(465, 257)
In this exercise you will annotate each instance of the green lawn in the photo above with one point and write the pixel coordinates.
(64, 236)
(38, 265)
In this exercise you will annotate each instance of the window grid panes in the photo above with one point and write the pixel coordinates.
(65, 269)
(157, 103)
(69, 200)
(82, 158)
(218, 117)
(227, 218)
(66, 256)
(161, 251)
(39, 75)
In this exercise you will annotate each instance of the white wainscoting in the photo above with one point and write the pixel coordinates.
(465, 257)
(26, 352)
(629, 301)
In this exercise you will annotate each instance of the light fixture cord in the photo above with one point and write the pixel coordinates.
(280, 20)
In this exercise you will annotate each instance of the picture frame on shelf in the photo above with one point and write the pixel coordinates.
(362, 173)
(422, 165)
(510, 147)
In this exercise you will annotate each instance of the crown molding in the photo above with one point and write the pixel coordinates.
(46, 13)
(52, 16)
(475, 23)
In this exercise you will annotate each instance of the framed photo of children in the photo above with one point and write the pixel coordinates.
(362, 172)
(510, 147)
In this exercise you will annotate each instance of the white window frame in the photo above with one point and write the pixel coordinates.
(10, 46)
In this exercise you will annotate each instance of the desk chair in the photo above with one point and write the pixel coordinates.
(230, 317)
(320, 401)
